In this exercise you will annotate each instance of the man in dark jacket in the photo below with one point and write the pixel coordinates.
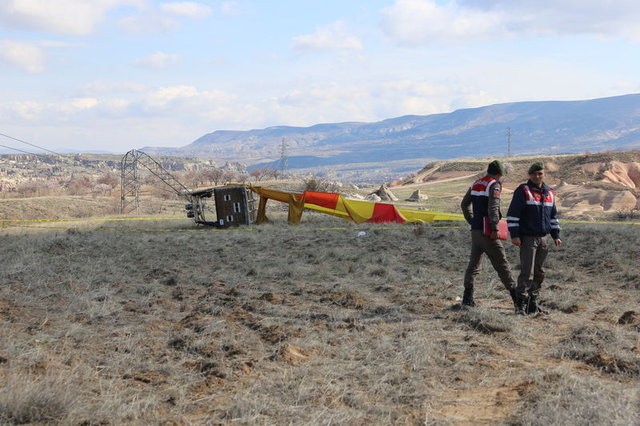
(532, 215)
(482, 200)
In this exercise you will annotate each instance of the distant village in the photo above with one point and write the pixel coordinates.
(25, 175)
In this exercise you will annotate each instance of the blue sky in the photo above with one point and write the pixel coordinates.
(115, 75)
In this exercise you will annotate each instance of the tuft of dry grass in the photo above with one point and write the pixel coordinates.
(560, 396)
(613, 350)
(486, 321)
(29, 399)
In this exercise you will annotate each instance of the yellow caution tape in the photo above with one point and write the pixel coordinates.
(99, 219)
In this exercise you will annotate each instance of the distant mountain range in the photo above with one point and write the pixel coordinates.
(404, 144)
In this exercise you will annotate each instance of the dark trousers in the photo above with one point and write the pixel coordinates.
(533, 253)
(495, 252)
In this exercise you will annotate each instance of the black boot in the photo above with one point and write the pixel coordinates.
(467, 298)
(519, 302)
(532, 305)
(514, 298)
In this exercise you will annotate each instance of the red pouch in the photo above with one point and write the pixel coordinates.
(503, 230)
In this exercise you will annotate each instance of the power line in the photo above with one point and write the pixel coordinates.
(16, 149)
(28, 143)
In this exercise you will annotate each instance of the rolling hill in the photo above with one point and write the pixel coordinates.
(397, 146)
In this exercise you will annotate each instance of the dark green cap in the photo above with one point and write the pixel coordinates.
(536, 167)
(496, 168)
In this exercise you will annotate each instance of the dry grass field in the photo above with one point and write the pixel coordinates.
(158, 322)
(109, 319)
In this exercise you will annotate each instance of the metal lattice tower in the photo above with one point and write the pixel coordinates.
(130, 179)
(283, 163)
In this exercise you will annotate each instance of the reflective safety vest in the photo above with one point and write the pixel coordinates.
(538, 197)
(480, 191)
(533, 212)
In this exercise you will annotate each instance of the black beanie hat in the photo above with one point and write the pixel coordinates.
(496, 168)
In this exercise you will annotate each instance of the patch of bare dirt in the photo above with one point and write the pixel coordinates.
(292, 354)
(483, 404)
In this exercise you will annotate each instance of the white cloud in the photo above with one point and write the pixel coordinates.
(73, 17)
(424, 22)
(148, 24)
(74, 106)
(418, 22)
(184, 103)
(165, 18)
(322, 94)
(472, 97)
(23, 55)
(28, 110)
(84, 103)
(115, 106)
(413, 97)
(158, 61)
(232, 7)
(161, 98)
(588, 17)
(58, 44)
(331, 37)
(110, 87)
(189, 99)
(187, 9)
